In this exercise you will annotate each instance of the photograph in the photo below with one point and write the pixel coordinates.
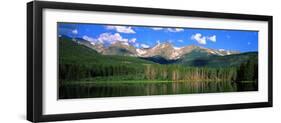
(105, 60)
(89, 60)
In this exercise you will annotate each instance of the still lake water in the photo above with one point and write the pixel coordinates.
(95, 90)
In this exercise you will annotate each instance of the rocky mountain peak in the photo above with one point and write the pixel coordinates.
(165, 50)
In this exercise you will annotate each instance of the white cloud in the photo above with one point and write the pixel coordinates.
(144, 46)
(168, 29)
(137, 45)
(111, 38)
(87, 38)
(170, 41)
(133, 40)
(175, 29)
(157, 28)
(203, 39)
(213, 38)
(221, 50)
(121, 29)
(75, 31)
(108, 38)
(180, 40)
(158, 42)
(199, 38)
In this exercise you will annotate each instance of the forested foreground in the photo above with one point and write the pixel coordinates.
(84, 81)
(157, 72)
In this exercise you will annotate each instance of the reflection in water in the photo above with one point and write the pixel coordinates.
(95, 90)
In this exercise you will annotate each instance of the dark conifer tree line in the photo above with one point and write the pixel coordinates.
(245, 72)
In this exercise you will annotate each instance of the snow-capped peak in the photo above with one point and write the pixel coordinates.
(177, 48)
(165, 50)
(221, 50)
(141, 52)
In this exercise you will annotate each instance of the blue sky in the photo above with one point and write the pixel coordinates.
(144, 37)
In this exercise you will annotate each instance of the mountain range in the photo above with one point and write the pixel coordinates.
(166, 53)
(165, 50)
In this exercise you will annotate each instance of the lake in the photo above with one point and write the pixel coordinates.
(97, 90)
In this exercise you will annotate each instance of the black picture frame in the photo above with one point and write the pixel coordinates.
(34, 60)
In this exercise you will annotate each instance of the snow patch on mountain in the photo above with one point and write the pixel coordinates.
(165, 50)
(141, 52)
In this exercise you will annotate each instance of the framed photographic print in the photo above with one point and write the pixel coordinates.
(96, 61)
